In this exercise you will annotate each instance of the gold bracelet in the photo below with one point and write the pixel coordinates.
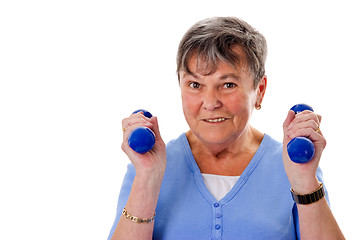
(136, 219)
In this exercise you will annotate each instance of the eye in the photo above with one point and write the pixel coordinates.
(229, 85)
(194, 85)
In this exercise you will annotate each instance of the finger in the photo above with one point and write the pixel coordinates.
(138, 114)
(304, 117)
(136, 119)
(309, 132)
(302, 125)
(319, 117)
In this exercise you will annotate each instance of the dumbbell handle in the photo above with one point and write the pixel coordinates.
(142, 139)
(301, 149)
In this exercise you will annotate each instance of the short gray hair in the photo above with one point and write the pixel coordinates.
(214, 39)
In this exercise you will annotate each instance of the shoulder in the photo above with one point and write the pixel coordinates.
(178, 147)
(271, 146)
(176, 143)
(179, 156)
(270, 160)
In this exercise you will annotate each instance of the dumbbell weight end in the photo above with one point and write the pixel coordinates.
(142, 139)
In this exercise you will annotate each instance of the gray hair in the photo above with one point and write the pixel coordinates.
(214, 39)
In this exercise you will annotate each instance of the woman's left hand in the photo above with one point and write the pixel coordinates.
(302, 177)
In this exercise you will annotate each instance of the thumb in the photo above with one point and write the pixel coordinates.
(290, 117)
(155, 128)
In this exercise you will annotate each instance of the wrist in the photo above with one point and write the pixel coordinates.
(150, 174)
(149, 168)
(144, 194)
(149, 182)
(305, 186)
(309, 198)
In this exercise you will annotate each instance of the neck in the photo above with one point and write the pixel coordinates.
(225, 159)
(249, 137)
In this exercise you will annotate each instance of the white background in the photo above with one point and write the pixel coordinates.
(71, 70)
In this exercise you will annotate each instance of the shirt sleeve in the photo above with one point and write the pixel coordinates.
(319, 175)
(123, 196)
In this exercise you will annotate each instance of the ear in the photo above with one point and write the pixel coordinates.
(260, 90)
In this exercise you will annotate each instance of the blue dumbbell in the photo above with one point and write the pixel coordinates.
(142, 139)
(301, 149)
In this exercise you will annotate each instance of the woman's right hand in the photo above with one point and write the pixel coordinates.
(152, 161)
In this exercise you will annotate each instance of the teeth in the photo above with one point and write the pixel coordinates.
(215, 120)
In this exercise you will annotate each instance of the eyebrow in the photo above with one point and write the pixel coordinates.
(194, 75)
(223, 77)
(230, 75)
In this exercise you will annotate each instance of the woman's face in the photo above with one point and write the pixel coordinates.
(218, 106)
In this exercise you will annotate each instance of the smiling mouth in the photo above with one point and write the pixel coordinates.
(215, 120)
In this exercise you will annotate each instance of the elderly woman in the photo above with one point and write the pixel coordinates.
(223, 179)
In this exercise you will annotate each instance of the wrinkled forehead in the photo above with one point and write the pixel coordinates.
(206, 63)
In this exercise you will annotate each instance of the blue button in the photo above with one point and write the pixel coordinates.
(218, 215)
(217, 227)
(216, 205)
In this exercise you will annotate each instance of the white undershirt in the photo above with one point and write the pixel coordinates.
(219, 185)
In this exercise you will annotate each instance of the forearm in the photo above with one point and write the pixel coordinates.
(141, 203)
(316, 219)
(317, 222)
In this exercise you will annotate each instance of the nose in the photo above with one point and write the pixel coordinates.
(211, 100)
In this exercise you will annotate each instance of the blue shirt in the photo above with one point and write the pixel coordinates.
(259, 206)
